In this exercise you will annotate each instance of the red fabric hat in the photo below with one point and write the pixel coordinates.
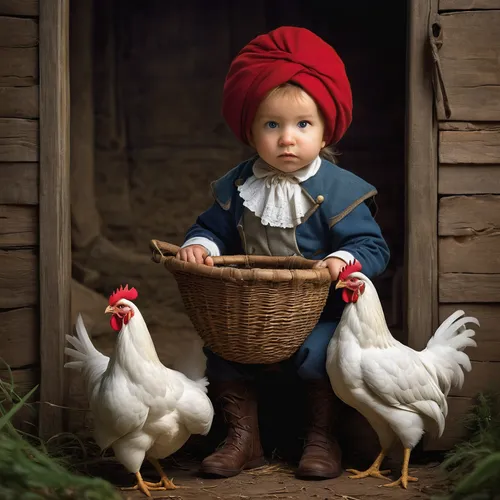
(282, 55)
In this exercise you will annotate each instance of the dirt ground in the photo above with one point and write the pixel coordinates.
(276, 481)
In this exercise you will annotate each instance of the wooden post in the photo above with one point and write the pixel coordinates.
(421, 183)
(55, 236)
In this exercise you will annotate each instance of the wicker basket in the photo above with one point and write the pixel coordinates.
(249, 309)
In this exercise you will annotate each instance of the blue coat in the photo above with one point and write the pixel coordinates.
(340, 220)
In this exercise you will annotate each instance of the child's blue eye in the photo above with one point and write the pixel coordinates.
(271, 124)
(303, 124)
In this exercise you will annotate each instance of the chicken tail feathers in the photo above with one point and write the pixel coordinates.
(84, 356)
(446, 348)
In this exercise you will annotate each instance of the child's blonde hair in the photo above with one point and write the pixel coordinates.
(290, 88)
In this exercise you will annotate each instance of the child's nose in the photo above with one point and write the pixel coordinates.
(287, 139)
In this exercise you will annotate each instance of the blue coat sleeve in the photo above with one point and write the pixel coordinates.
(359, 234)
(217, 225)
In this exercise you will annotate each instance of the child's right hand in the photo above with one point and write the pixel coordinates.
(195, 253)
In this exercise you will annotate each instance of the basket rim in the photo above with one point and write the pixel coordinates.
(319, 275)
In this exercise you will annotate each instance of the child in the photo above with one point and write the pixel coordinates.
(287, 95)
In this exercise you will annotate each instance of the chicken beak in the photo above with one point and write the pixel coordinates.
(340, 284)
(109, 309)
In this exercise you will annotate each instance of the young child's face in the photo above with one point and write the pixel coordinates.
(287, 131)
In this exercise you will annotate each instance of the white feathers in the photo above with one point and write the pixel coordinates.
(138, 405)
(402, 392)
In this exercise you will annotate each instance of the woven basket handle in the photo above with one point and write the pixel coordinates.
(163, 250)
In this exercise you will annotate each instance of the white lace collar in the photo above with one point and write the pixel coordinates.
(276, 197)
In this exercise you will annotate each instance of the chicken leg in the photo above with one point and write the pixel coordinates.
(403, 480)
(373, 470)
(165, 483)
(143, 486)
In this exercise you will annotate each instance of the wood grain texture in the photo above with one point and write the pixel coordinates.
(469, 179)
(469, 147)
(463, 287)
(19, 7)
(468, 4)
(18, 140)
(470, 254)
(469, 215)
(18, 226)
(421, 196)
(55, 228)
(469, 57)
(19, 336)
(483, 377)
(18, 66)
(487, 335)
(19, 183)
(18, 32)
(19, 102)
(19, 278)
(469, 230)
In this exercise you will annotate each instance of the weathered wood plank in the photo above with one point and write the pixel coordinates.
(469, 147)
(469, 179)
(483, 377)
(487, 335)
(19, 336)
(23, 380)
(421, 199)
(18, 226)
(469, 215)
(445, 5)
(18, 67)
(18, 140)
(470, 254)
(19, 183)
(55, 226)
(470, 69)
(460, 287)
(454, 429)
(19, 102)
(19, 278)
(18, 32)
(470, 126)
(19, 7)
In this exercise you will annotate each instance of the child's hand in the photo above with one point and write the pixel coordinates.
(333, 264)
(195, 253)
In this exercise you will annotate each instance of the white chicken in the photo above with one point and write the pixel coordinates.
(141, 409)
(401, 392)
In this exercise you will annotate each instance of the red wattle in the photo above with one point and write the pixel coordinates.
(116, 323)
(346, 295)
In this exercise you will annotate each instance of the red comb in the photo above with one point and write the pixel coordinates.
(352, 267)
(122, 293)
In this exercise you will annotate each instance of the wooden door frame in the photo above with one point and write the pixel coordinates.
(421, 299)
(54, 215)
(421, 188)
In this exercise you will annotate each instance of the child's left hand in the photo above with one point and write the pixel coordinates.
(333, 264)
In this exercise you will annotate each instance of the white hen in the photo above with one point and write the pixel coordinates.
(401, 392)
(141, 409)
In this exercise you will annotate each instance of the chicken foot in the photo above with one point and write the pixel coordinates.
(165, 483)
(403, 480)
(373, 470)
(143, 486)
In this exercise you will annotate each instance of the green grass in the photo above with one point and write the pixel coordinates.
(28, 471)
(473, 466)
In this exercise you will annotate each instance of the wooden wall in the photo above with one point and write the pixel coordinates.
(19, 156)
(469, 189)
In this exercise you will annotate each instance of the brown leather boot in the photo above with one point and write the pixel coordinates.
(241, 449)
(321, 458)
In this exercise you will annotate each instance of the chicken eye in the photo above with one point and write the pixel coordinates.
(120, 306)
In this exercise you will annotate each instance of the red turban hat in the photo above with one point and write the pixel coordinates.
(287, 54)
